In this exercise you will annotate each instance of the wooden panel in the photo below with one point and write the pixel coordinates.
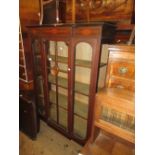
(118, 99)
(121, 52)
(29, 12)
(116, 82)
(89, 31)
(56, 31)
(122, 69)
(109, 127)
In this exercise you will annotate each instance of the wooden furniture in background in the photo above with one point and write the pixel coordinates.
(53, 11)
(114, 106)
(28, 120)
(67, 63)
(73, 10)
(123, 33)
(120, 11)
(99, 10)
(29, 12)
(121, 67)
(25, 63)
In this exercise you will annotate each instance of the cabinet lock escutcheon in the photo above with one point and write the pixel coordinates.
(123, 70)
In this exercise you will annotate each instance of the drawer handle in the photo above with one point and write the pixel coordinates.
(25, 111)
(123, 70)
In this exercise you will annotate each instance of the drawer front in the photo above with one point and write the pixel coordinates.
(122, 69)
(121, 83)
(22, 73)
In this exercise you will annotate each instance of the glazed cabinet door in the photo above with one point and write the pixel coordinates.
(57, 82)
(82, 74)
(85, 68)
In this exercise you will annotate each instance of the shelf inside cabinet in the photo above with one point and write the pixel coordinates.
(62, 99)
(81, 63)
(81, 88)
(60, 70)
(62, 115)
(102, 64)
(59, 58)
(86, 63)
(80, 127)
(62, 82)
(81, 109)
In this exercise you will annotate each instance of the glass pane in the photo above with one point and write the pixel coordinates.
(83, 59)
(80, 127)
(53, 112)
(63, 117)
(102, 67)
(57, 65)
(39, 78)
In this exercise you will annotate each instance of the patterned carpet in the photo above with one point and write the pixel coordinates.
(49, 142)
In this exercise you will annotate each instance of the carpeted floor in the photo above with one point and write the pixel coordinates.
(49, 142)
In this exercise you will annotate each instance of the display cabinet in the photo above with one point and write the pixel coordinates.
(68, 71)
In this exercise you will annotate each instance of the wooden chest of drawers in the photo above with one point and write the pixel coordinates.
(121, 70)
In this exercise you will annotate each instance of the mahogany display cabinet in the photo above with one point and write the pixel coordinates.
(69, 68)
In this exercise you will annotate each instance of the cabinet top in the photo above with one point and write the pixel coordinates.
(74, 24)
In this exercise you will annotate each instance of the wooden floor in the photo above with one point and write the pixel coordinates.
(49, 142)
